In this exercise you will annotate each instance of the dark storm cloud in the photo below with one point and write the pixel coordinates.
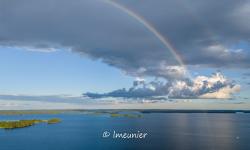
(203, 32)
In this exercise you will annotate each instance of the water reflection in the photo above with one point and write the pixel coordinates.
(194, 131)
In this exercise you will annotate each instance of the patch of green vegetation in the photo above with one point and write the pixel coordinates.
(126, 115)
(25, 123)
(115, 113)
(54, 120)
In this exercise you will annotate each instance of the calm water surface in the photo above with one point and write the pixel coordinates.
(170, 131)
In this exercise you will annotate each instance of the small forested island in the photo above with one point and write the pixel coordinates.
(54, 120)
(126, 115)
(26, 123)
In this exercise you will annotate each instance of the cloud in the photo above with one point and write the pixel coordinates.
(216, 86)
(43, 50)
(37, 105)
(202, 32)
(43, 98)
(224, 93)
(246, 74)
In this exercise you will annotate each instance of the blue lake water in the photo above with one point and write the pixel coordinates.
(184, 131)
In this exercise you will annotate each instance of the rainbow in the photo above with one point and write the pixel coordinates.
(152, 29)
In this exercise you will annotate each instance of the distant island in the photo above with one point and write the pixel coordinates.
(114, 113)
(126, 115)
(26, 123)
(117, 112)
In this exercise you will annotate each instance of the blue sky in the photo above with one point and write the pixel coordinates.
(52, 73)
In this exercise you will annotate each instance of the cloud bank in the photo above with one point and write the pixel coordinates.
(216, 86)
(204, 33)
(43, 98)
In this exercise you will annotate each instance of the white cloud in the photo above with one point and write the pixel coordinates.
(223, 93)
(215, 86)
(42, 50)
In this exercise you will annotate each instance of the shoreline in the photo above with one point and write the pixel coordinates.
(60, 111)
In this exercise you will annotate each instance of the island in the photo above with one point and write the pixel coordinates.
(26, 123)
(125, 115)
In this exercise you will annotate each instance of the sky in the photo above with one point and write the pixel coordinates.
(56, 50)
(55, 73)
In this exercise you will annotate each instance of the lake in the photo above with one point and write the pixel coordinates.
(173, 131)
